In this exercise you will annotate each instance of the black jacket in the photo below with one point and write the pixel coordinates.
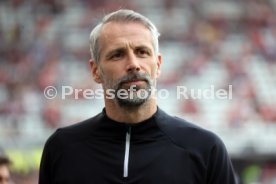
(160, 150)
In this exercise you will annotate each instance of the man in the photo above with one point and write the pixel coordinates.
(4, 170)
(132, 140)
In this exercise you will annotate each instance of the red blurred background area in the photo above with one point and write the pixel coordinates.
(203, 43)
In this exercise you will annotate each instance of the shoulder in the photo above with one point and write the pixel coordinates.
(187, 135)
(73, 134)
(205, 148)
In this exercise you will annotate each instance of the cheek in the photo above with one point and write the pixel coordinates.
(154, 71)
(109, 73)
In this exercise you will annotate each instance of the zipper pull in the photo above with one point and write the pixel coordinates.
(127, 146)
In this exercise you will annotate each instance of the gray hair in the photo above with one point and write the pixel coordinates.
(121, 16)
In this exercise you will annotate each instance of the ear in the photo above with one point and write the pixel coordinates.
(159, 62)
(95, 71)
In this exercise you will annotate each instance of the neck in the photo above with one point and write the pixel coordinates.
(130, 115)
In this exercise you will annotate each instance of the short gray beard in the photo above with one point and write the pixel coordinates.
(135, 100)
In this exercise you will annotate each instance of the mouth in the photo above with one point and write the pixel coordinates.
(134, 82)
(138, 80)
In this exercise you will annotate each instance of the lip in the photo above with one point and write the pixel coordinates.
(134, 82)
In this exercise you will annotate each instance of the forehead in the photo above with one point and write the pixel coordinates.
(118, 33)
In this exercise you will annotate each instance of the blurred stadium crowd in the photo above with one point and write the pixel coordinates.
(203, 42)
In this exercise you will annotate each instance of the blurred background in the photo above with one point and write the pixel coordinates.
(203, 43)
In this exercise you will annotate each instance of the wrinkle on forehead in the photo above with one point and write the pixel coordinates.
(117, 34)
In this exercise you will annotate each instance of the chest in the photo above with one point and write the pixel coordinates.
(142, 161)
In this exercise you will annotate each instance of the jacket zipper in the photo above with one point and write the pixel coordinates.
(126, 159)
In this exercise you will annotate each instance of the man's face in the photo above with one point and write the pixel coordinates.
(127, 59)
(4, 174)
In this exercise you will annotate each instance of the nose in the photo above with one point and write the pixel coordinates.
(133, 64)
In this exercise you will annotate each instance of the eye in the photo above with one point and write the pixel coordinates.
(142, 52)
(116, 56)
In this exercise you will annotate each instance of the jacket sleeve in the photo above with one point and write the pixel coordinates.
(45, 166)
(50, 155)
(220, 169)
